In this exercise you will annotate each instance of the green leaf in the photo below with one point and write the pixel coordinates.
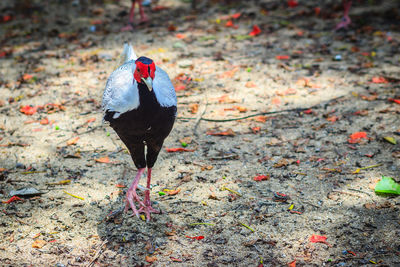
(390, 139)
(387, 186)
(242, 37)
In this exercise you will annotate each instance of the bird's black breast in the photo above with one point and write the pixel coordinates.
(148, 120)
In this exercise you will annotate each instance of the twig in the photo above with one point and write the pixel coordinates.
(264, 113)
(98, 253)
(200, 116)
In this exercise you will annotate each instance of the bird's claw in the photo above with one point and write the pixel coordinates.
(131, 196)
(147, 210)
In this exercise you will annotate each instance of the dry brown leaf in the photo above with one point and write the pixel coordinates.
(150, 259)
(174, 192)
(194, 107)
(281, 163)
(38, 243)
(103, 160)
(72, 141)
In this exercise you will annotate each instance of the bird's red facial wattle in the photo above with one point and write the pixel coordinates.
(145, 73)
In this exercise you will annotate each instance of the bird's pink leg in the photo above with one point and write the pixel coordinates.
(346, 21)
(143, 17)
(147, 208)
(129, 27)
(131, 195)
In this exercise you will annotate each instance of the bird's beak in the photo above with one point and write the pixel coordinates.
(149, 83)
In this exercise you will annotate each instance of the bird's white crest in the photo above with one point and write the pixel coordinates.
(122, 94)
(129, 53)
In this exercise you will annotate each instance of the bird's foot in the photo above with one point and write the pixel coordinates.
(131, 198)
(147, 210)
(344, 24)
(127, 28)
(144, 19)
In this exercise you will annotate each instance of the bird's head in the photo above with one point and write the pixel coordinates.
(145, 71)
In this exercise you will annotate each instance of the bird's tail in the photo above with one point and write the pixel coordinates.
(128, 54)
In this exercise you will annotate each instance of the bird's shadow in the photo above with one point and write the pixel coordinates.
(130, 239)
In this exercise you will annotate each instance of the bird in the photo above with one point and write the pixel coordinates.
(143, 16)
(139, 103)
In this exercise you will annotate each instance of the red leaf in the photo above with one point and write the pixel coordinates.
(261, 178)
(91, 120)
(180, 87)
(27, 77)
(292, 3)
(236, 15)
(308, 111)
(318, 239)
(379, 79)
(229, 23)
(317, 11)
(120, 185)
(356, 137)
(292, 264)
(28, 110)
(200, 237)
(256, 129)
(180, 36)
(397, 101)
(12, 199)
(178, 149)
(282, 57)
(256, 31)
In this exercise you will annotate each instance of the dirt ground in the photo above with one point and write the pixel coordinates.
(325, 85)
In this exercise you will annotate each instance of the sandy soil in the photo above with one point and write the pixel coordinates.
(57, 58)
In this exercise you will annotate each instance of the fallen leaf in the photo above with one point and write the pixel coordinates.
(256, 129)
(175, 259)
(228, 132)
(357, 137)
(44, 121)
(194, 107)
(150, 259)
(261, 178)
(250, 84)
(281, 163)
(103, 160)
(200, 237)
(292, 264)
(319, 239)
(397, 101)
(282, 57)
(379, 79)
(28, 110)
(72, 141)
(261, 118)
(292, 3)
(256, 31)
(38, 243)
(241, 109)
(390, 140)
(174, 192)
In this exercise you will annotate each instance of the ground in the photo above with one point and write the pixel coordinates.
(317, 178)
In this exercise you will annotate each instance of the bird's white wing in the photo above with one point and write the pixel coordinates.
(121, 93)
(163, 88)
